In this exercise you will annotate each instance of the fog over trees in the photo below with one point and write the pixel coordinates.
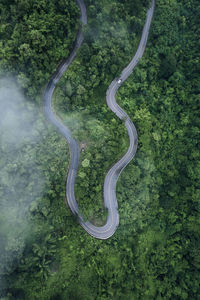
(155, 252)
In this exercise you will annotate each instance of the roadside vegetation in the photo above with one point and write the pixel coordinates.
(155, 252)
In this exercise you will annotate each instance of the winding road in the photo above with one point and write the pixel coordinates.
(110, 200)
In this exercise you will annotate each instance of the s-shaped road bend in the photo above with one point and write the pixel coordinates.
(110, 200)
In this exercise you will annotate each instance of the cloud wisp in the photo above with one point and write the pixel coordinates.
(21, 181)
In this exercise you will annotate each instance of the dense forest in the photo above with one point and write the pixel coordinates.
(155, 252)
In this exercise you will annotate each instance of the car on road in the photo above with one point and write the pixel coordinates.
(119, 81)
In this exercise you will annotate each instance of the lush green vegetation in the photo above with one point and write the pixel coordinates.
(32, 38)
(155, 252)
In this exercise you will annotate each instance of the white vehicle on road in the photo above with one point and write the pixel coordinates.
(119, 81)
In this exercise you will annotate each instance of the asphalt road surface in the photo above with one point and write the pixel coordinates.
(110, 200)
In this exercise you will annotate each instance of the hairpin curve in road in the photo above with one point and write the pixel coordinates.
(110, 200)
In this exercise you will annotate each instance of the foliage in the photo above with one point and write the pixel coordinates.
(33, 38)
(155, 251)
